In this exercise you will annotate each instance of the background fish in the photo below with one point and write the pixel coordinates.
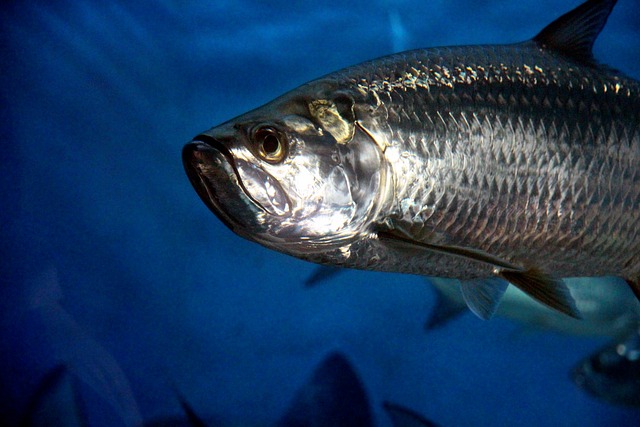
(512, 162)
(613, 374)
(82, 383)
(607, 306)
(333, 395)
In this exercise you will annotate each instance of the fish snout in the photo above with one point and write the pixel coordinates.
(211, 169)
(202, 148)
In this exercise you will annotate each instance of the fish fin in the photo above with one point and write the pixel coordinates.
(398, 237)
(541, 287)
(635, 286)
(334, 395)
(321, 273)
(404, 417)
(193, 419)
(533, 282)
(447, 307)
(55, 399)
(483, 296)
(574, 33)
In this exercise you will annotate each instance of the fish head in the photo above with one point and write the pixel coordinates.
(297, 174)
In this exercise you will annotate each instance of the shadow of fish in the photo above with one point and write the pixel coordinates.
(491, 164)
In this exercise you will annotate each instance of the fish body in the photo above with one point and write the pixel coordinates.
(491, 164)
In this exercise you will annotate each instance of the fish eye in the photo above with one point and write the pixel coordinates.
(270, 144)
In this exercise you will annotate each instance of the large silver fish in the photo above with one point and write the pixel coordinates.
(497, 164)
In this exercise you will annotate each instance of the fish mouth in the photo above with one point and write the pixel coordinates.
(213, 173)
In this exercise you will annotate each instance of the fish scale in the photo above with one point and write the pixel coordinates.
(557, 157)
(515, 162)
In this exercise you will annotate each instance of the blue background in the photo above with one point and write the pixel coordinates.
(97, 100)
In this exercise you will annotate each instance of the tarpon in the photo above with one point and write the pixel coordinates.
(498, 164)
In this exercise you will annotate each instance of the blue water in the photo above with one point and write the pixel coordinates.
(112, 264)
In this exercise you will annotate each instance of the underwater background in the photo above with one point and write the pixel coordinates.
(113, 267)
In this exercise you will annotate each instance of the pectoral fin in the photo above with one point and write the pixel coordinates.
(483, 296)
(322, 273)
(535, 283)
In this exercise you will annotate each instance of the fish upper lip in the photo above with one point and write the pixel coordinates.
(209, 143)
(197, 154)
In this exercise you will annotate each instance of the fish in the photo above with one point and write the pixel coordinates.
(492, 164)
(333, 395)
(82, 383)
(608, 308)
(613, 373)
(55, 401)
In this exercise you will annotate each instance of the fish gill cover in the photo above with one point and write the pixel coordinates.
(118, 281)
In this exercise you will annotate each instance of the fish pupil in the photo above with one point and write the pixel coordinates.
(270, 144)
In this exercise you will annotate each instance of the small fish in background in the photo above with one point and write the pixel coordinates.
(333, 396)
(320, 274)
(613, 374)
(55, 402)
(504, 164)
(189, 418)
(82, 383)
(608, 307)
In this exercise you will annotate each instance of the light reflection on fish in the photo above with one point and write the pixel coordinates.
(490, 164)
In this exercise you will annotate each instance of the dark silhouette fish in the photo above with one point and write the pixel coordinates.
(613, 373)
(333, 395)
(607, 306)
(497, 164)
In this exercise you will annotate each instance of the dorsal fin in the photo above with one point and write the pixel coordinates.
(574, 33)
